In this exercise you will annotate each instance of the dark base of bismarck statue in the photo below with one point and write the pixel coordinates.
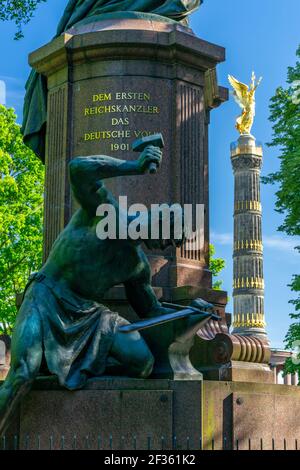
(128, 414)
(110, 413)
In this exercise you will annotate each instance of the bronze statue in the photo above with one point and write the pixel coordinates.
(245, 98)
(85, 11)
(62, 323)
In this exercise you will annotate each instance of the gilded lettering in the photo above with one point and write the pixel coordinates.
(102, 97)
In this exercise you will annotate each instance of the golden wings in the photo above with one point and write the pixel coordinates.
(244, 95)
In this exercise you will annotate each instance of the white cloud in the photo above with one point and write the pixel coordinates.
(281, 243)
(275, 242)
(14, 93)
(8, 78)
(222, 238)
(2, 92)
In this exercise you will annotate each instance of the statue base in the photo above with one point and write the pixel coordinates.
(239, 371)
(110, 414)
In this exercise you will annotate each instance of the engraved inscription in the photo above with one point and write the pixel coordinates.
(112, 113)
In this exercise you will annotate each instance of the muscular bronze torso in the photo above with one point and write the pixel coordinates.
(89, 265)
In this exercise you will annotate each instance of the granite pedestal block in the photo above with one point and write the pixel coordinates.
(251, 416)
(112, 413)
(122, 413)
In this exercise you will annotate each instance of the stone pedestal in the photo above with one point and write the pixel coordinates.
(121, 414)
(112, 413)
(240, 415)
(114, 81)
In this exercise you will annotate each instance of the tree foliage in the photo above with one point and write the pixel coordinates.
(216, 265)
(285, 116)
(21, 212)
(19, 11)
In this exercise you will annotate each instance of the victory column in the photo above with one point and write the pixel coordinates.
(248, 277)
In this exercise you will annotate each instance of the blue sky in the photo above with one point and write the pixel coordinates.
(260, 35)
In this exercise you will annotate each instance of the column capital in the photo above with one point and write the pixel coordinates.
(246, 153)
(246, 162)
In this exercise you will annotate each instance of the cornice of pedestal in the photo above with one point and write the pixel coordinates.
(139, 40)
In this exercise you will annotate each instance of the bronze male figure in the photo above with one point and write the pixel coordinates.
(62, 323)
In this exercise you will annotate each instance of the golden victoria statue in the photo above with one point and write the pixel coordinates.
(245, 98)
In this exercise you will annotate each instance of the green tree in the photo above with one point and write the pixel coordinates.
(285, 116)
(216, 265)
(21, 212)
(19, 11)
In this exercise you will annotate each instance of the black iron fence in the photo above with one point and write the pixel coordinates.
(155, 443)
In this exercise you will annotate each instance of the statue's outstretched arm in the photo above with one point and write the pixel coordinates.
(95, 168)
(91, 169)
(86, 173)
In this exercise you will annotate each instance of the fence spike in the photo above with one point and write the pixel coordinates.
(16, 441)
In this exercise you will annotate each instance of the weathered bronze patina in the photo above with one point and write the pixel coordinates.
(62, 323)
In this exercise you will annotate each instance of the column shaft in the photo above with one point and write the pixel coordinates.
(248, 275)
